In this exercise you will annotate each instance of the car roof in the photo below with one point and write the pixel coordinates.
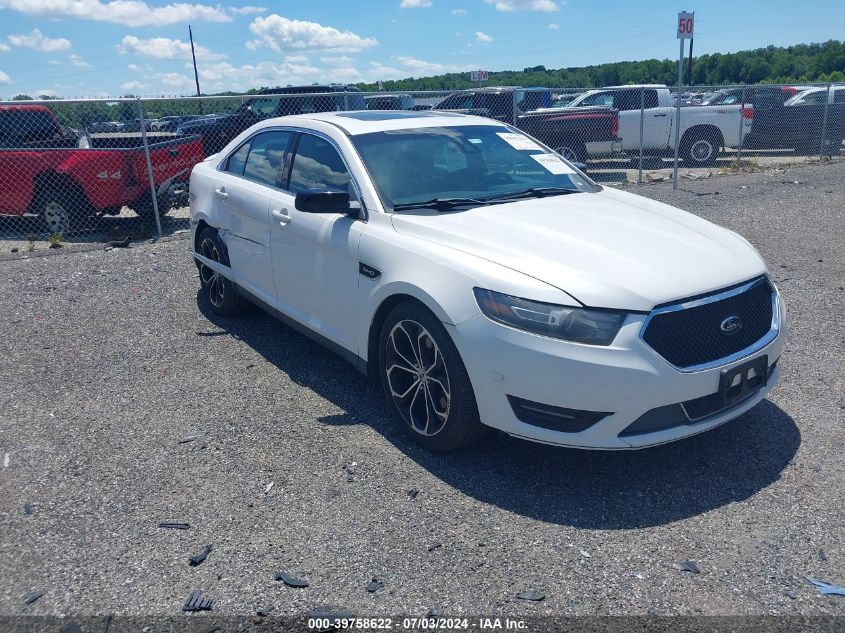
(366, 121)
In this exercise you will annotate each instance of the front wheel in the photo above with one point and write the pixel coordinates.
(425, 380)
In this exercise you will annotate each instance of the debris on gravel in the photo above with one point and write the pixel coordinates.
(290, 581)
(197, 602)
(197, 559)
(689, 565)
(174, 525)
(532, 595)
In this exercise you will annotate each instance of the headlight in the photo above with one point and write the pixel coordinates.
(581, 325)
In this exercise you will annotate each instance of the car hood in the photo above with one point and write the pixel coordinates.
(609, 249)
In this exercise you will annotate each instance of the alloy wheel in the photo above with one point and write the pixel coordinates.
(56, 217)
(212, 281)
(702, 150)
(417, 377)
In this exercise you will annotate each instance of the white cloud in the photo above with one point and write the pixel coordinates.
(176, 81)
(421, 67)
(4, 47)
(247, 10)
(553, 27)
(296, 59)
(127, 12)
(337, 60)
(40, 42)
(280, 34)
(380, 72)
(164, 48)
(133, 85)
(546, 6)
(459, 12)
(76, 60)
(483, 37)
(415, 4)
(4, 78)
(54, 62)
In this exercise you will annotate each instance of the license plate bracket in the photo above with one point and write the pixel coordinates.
(737, 383)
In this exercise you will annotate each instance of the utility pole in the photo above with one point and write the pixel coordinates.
(196, 74)
(689, 65)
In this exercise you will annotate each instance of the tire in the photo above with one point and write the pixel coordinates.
(222, 294)
(573, 150)
(439, 412)
(57, 213)
(700, 149)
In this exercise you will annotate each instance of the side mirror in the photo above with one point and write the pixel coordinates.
(322, 201)
(580, 166)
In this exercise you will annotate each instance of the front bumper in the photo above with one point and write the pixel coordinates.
(627, 379)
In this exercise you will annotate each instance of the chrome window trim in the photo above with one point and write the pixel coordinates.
(295, 129)
(765, 340)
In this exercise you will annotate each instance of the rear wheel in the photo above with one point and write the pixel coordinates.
(221, 293)
(425, 380)
(573, 151)
(700, 149)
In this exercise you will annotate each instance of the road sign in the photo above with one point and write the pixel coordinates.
(473, 75)
(686, 25)
(479, 75)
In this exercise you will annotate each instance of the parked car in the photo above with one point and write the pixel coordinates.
(704, 131)
(134, 125)
(171, 123)
(105, 126)
(569, 132)
(216, 131)
(49, 175)
(486, 282)
(389, 102)
(747, 94)
(798, 122)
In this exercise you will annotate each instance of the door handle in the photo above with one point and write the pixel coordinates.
(661, 114)
(173, 153)
(281, 216)
(220, 192)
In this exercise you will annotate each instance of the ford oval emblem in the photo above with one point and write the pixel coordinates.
(731, 324)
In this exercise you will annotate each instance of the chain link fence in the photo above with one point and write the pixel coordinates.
(98, 170)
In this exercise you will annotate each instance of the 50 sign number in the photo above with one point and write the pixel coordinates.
(686, 25)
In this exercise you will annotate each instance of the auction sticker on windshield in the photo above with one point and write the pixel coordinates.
(518, 141)
(553, 164)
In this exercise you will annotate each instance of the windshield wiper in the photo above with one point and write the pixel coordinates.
(440, 204)
(533, 192)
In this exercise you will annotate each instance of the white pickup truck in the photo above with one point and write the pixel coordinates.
(705, 130)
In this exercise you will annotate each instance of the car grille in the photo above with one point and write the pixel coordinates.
(692, 336)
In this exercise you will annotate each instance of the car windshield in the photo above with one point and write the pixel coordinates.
(472, 163)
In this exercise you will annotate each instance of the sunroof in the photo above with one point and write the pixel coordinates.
(389, 115)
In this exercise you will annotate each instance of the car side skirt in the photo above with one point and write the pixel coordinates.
(357, 362)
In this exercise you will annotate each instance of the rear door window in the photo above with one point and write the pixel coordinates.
(236, 161)
(266, 157)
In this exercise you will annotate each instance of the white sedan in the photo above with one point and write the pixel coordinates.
(485, 282)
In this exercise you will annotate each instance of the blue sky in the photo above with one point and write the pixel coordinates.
(102, 47)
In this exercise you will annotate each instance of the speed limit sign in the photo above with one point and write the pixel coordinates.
(686, 25)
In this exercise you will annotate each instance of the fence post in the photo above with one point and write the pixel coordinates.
(346, 102)
(149, 166)
(514, 109)
(824, 122)
(741, 137)
(642, 117)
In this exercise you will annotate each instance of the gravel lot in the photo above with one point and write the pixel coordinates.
(109, 359)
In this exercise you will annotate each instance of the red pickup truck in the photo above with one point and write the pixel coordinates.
(64, 177)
